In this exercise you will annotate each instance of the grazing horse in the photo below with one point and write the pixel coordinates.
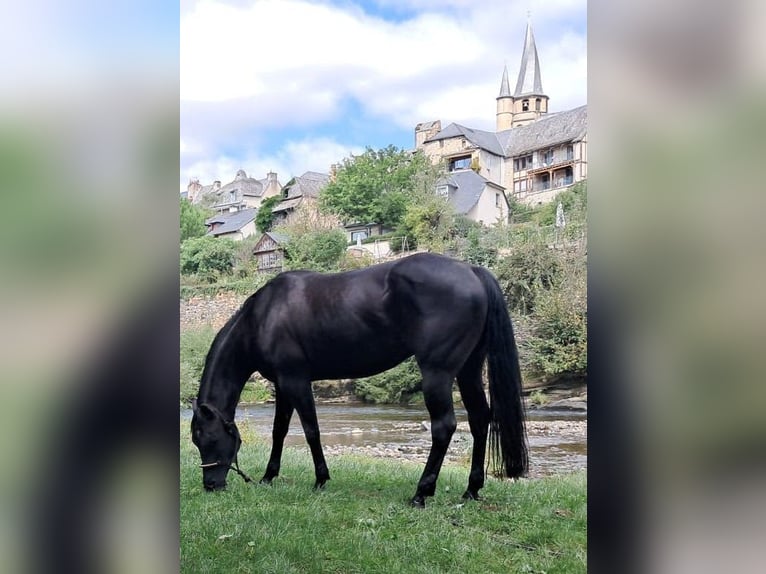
(304, 326)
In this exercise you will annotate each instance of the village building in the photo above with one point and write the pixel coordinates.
(532, 155)
(242, 193)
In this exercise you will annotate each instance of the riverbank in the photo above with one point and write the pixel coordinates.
(361, 521)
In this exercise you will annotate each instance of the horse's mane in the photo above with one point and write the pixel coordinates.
(219, 340)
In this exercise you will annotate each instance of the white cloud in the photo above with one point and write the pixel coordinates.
(253, 68)
(294, 158)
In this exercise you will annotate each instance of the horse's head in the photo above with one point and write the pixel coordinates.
(218, 442)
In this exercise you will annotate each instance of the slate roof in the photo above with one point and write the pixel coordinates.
(286, 204)
(278, 238)
(231, 222)
(245, 185)
(549, 130)
(466, 188)
(309, 184)
(480, 138)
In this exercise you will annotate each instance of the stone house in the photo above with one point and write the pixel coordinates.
(241, 193)
(300, 189)
(532, 155)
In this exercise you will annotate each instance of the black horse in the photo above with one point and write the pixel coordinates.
(304, 326)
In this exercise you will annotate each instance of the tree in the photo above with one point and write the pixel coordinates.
(264, 219)
(374, 187)
(192, 220)
(428, 220)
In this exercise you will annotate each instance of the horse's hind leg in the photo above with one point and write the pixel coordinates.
(283, 411)
(475, 401)
(300, 394)
(437, 391)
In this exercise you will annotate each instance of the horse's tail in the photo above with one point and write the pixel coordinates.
(507, 431)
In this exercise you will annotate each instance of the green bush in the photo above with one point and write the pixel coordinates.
(392, 386)
(320, 250)
(207, 256)
(560, 338)
(530, 269)
(560, 333)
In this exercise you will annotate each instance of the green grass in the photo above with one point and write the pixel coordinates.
(361, 522)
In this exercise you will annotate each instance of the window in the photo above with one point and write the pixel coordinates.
(497, 200)
(522, 163)
(548, 157)
(358, 235)
(463, 162)
(570, 151)
(537, 104)
(524, 105)
(232, 196)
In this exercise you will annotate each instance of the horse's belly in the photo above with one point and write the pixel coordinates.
(357, 359)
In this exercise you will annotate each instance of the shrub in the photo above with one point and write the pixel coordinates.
(320, 250)
(529, 270)
(208, 256)
(391, 386)
(560, 335)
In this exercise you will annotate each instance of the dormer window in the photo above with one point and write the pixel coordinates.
(524, 105)
(232, 196)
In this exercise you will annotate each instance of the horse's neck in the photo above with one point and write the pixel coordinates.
(225, 376)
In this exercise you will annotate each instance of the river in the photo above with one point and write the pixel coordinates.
(557, 439)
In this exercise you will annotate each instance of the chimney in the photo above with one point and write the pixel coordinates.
(216, 185)
(333, 171)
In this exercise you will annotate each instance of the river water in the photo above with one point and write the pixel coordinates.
(557, 439)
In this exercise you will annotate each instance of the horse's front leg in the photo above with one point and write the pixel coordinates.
(303, 400)
(283, 411)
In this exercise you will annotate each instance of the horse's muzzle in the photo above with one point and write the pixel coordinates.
(211, 486)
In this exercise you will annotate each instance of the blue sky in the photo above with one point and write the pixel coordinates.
(296, 85)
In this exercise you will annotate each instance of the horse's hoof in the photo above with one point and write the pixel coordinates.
(320, 484)
(266, 481)
(418, 502)
(470, 495)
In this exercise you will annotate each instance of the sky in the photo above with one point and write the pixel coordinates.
(296, 85)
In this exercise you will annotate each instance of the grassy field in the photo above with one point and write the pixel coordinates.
(361, 522)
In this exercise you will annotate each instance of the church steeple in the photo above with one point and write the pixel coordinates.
(504, 115)
(505, 87)
(529, 100)
(529, 82)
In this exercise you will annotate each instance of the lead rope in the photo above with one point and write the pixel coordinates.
(235, 468)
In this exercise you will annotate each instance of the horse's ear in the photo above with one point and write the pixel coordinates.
(205, 411)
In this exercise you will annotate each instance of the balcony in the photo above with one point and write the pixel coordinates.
(555, 162)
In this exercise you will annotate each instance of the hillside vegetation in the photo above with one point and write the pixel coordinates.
(541, 269)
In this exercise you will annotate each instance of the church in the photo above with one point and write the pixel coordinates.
(531, 156)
